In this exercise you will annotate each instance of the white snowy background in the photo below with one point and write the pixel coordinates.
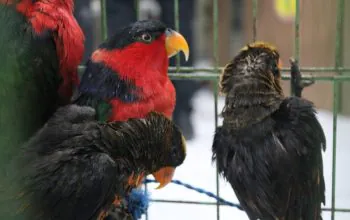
(199, 171)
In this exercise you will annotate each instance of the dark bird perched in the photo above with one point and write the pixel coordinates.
(270, 146)
(76, 167)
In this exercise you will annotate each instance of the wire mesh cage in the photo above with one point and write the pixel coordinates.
(310, 73)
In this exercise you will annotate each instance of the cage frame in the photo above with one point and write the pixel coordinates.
(212, 74)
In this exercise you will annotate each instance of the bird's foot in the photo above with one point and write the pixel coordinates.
(298, 84)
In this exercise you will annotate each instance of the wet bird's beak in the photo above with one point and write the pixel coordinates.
(164, 176)
(175, 43)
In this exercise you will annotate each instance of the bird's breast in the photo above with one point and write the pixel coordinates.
(159, 98)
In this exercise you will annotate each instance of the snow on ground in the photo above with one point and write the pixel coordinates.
(198, 171)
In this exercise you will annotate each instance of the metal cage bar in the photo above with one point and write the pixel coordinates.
(212, 74)
(297, 31)
(296, 38)
(103, 20)
(215, 93)
(177, 28)
(336, 96)
(137, 7)
(192, 72)
(255, 13)
(334, 144)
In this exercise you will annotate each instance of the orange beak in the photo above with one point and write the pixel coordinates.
(174, 43)
(164, 176)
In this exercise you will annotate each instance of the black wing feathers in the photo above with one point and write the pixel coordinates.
(275, 166)
(101, 83)
(312, 141)
(67, 169)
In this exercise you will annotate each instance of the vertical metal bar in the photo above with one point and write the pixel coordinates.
(215, 34)
(255, 10)
(336, 95)
(334, 154)
(297, 31)
(339, 34)
(296, 38)
(103, 20)
(177, 28)
(137, 9)
(339, 39)
(216, 64)
(146, 190)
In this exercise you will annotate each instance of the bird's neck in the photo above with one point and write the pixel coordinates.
(149, 74)
(246, 109)
(134, 66)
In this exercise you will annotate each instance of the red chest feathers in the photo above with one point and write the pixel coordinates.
(146, 66)
(156, 96)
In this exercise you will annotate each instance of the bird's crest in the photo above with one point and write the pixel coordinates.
(259, 44)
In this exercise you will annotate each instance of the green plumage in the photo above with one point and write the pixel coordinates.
(28, 85)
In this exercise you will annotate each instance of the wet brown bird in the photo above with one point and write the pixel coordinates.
(270, 146)
(76, 167)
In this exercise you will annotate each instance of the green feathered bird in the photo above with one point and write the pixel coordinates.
(41, 46)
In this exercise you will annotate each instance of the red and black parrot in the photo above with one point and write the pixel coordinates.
(127, 76)
(76, 167)
(41, 45)
(269, 147)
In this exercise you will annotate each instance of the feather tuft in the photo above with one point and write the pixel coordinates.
(138, 202)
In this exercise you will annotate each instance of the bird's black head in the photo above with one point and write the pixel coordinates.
(153, 144)
(145, 31)
(145, 36)
(256, 67)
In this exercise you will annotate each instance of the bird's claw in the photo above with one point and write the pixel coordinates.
(307, 82)
(298, 84)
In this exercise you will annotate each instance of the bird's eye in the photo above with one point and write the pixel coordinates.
(146, 37)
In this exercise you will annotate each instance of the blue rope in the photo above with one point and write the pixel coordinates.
(199, 190)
